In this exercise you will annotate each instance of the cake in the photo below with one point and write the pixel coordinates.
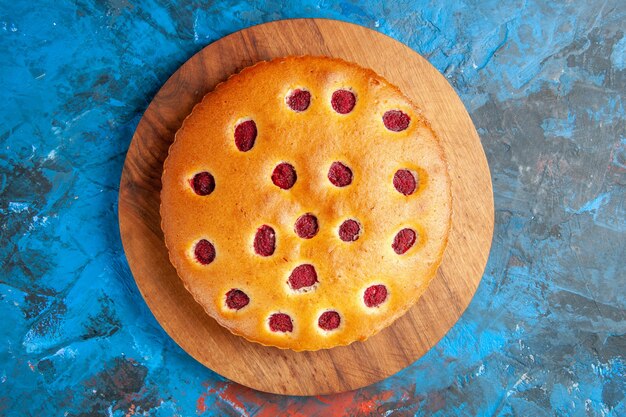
(305, 203)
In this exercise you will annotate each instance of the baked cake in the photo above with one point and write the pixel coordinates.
(306, 203)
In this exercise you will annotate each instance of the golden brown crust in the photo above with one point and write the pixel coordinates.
(245, 199)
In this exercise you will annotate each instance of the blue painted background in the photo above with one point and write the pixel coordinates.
(544, 82)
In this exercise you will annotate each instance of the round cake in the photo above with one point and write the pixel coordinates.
(305, 203)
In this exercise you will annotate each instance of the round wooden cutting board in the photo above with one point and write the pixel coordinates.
(342, 368)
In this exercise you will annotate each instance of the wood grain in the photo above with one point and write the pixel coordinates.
(343, 368)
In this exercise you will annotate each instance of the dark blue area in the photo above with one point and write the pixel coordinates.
(544, 83)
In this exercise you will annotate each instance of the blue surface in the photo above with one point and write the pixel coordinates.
(544, 83)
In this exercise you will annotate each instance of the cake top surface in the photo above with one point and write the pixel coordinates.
(305, 203)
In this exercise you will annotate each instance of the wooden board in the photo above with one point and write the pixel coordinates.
(343, 368)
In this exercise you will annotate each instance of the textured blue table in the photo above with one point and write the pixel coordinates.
(546, 332)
